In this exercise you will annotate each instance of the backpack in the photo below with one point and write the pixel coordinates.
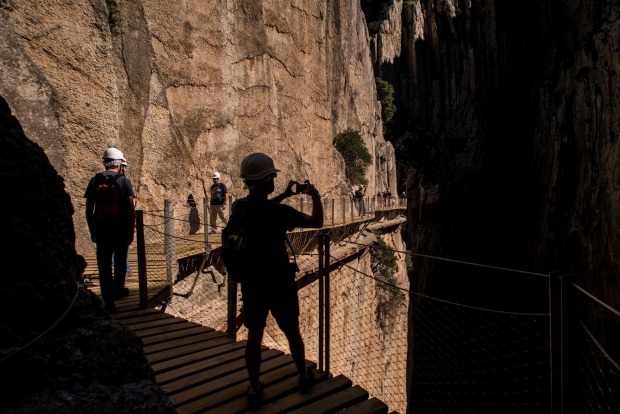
(107, 194)
(237, 239)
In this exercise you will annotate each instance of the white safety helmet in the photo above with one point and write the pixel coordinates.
(124, 162)
(257, 166)
(113, 154)
(112, 157)
(216, 175)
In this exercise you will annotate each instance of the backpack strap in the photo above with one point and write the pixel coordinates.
(292, 251)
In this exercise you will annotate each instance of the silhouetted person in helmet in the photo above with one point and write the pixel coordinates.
(194, 217)
(110, 214)
(272, 286)
(219, 194)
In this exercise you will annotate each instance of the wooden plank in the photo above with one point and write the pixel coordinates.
(189, 381)
(156, 323)
(187, 349)
(371, 406)
(146, 333)
(181, 342)
(184, 360)
(235, 399)
(225, 379)
(199, 366)
(335, 402)
(296, 400)
(195, 330)
(281, 381)
(128, 322)
(134, 313)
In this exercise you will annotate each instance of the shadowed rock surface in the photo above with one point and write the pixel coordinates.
(87, 362)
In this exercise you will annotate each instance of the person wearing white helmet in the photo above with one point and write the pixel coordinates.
(110, 214)
(270, 284)
(219, 195)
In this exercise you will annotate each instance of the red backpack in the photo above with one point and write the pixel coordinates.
(107, 197)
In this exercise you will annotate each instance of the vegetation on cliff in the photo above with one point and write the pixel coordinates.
(385, 93)
(350, 145)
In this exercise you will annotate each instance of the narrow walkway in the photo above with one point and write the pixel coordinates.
(202, 370)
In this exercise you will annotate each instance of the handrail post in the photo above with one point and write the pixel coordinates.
(562, 308)
(321, 295)
(344, 219)
(352, 213)
(205, 213)
(142, 280)
(327, 289)
(333, 212)
(169, 240)
(231, 330)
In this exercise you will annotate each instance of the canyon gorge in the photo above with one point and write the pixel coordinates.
(504, 138)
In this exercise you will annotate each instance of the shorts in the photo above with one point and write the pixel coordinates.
(278, 297)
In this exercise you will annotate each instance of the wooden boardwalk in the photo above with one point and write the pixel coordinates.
(201, 370)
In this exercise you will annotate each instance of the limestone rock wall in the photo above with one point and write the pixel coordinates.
(186, 88)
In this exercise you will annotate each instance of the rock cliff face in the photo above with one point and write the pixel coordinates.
(186, 88)
(508, 114)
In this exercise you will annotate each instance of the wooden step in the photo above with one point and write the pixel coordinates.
(200, 398)
(184, 360)
(181, 342)
(335, 402)
(371, 406)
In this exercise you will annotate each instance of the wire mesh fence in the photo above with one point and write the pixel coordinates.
(417, 353)
(596, 386)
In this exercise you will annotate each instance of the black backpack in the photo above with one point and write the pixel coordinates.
(107, 197)
(238, 237)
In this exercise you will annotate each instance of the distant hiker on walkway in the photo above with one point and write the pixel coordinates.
(110, 214)
(268, 278)
(194, 217)
(219, 195)
(358, 199)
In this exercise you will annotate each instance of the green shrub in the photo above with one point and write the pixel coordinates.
(385, 93)
(390, 297)
(384, 266)
(6, 6)
(350, 145)
(114, 17)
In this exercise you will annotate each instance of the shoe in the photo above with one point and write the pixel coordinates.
(255, 396)
(307, 381)
(121, 294)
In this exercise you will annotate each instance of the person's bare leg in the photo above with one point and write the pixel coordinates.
(253, 356)
(298, 350)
